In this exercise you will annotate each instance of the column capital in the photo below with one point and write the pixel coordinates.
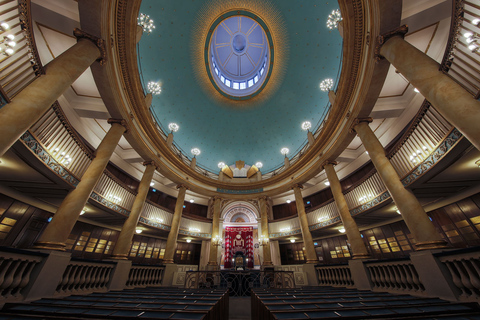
(182, 186)
(297, 185)
(357, 121)
(100, 43)
(214, 198)
(121, 122)
(150, 163)
(333, 163)
(265, 198)
(381, 39)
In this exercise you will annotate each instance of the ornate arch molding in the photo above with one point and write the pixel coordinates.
(240, 207)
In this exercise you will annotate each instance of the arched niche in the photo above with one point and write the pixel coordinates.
(237, 211)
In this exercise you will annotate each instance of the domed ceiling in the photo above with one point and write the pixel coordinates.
(303, 52)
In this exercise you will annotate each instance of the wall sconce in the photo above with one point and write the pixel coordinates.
(292, 240)
(189, 240)
(138, 231)
(217, 241)
(478, 163)
(263, 241)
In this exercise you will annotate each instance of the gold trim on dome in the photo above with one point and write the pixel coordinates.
(352, 91)
(272, 17)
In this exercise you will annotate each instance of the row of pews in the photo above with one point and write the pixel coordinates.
(145, 303)
(339, 303)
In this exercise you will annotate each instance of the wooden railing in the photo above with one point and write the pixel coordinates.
(335, 276)
(464, 268)
(323, 214)
(18, 69)
(366, 191)
(155, 213)
(115, 191)
(395, 276)
(15, 273)
(82, 277)
(57, 136)
(460, 62)
(143, 276)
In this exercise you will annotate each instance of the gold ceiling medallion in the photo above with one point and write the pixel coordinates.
(213, 10)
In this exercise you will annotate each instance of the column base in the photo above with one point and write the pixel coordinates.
(312, 261)
(212, 263)
(168, 261)
(267, 263)
(49, 245)
(431, 245)
(119, 256)
(357, 256)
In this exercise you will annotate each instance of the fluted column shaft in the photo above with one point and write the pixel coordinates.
(212, 261)
(456, 104)
(351, 228)
(267, 256)
(58, 230)
(177, 216)
(307, 236)
(412, 211)
(33, 101)
(128, 230)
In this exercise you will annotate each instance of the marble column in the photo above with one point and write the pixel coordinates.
(351, 229)
(177, 217)
(33, 101)
(412, 211)
(58, 230)
(128, 230)
(456, 104)
(217, 202)
(302, 216)
(267, 256)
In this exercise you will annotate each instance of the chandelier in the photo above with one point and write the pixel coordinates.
(333, 19)
(146, 23)
(326, 85)
(154, 88)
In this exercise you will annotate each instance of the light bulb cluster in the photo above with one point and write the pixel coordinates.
(285, 229)
(8, 41)
(146, 23)
(62, 157)
(193, 229)
(333, 19)
(221, 165)
(472, 38)
(326, 85)
(114, 198)
(284, 151)
(173, 127)
(259, 165)
(365, 198)
(195, 152)
(159, 220)
(306, 125)
(419, 155)
(154, 88)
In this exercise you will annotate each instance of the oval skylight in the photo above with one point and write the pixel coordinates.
(239, 56)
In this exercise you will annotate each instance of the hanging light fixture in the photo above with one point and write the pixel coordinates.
(326, 85)
(195, 152)
(333, 19)
(306, 125)
(146, 23)
(259, 165)
(154, 88)
(173, 127)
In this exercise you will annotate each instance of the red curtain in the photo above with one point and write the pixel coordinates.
(238, 239)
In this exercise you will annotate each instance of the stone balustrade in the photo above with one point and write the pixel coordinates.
(16, 268)
(335, 276)
(395, 276)
(143, 276)
(83, 276)
(464, 269)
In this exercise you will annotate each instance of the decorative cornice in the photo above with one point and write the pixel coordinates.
(381, 39)
(121, 122)
(357, 121)
(100, 43)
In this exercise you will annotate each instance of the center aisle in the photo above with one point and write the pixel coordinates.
(240, 308)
